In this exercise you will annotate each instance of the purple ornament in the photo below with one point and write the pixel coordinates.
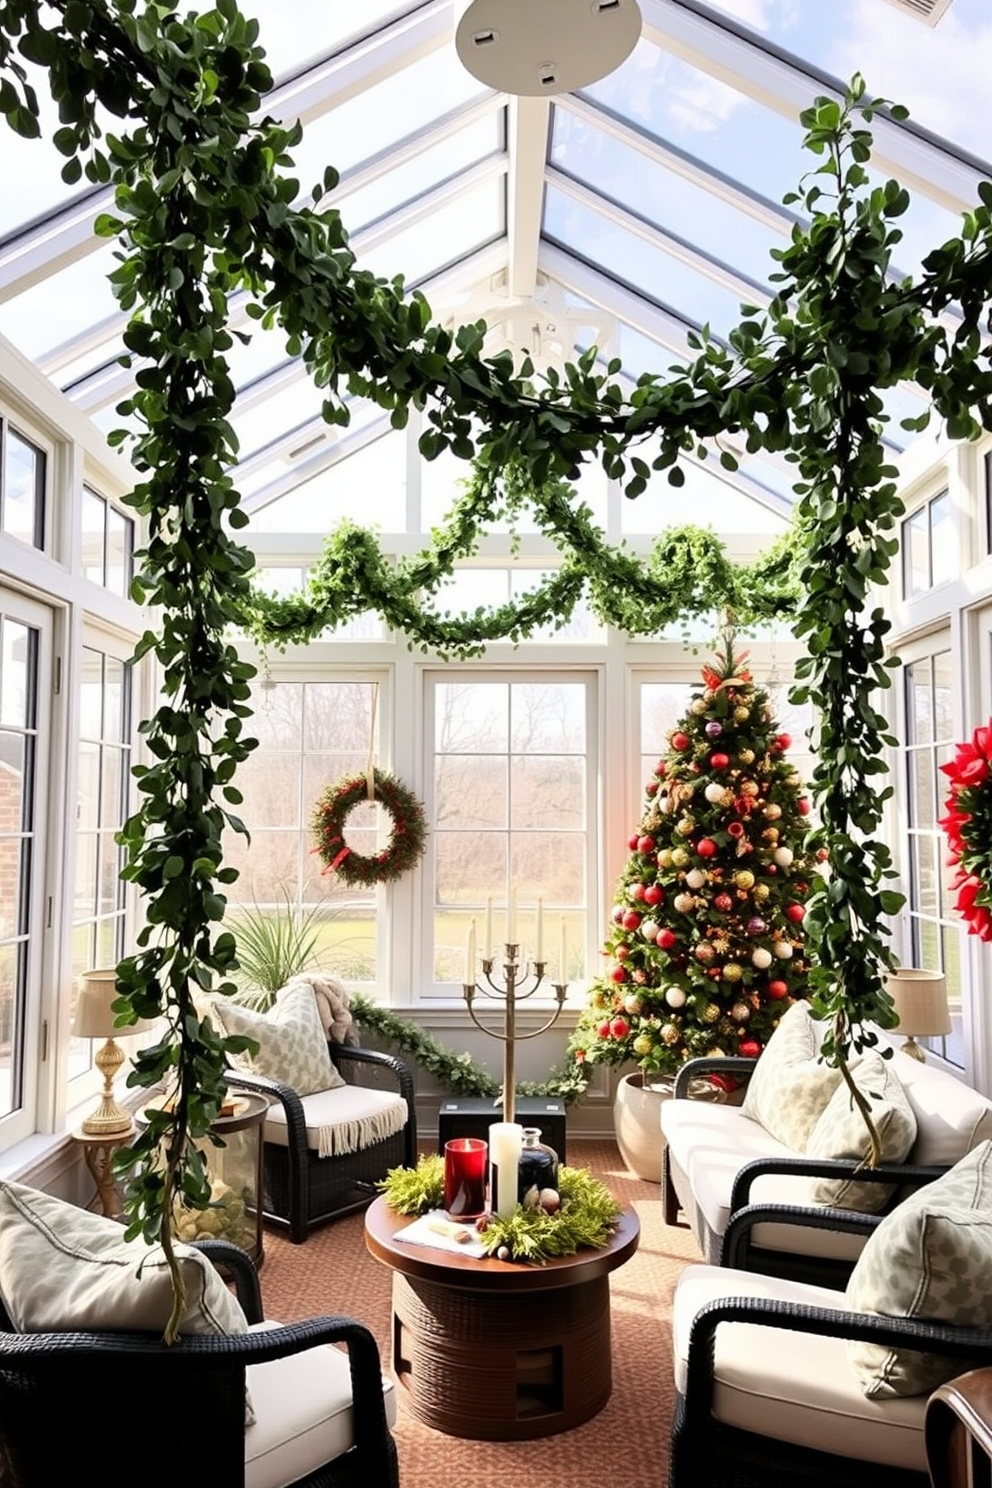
(714, 729)
(756, 925)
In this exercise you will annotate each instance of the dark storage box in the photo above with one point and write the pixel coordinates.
(473, 1116)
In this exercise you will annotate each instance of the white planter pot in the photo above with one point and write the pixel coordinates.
(637, 1123)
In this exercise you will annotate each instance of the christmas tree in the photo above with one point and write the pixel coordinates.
(706, 938)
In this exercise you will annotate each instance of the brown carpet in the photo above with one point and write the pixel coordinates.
(625, 1446)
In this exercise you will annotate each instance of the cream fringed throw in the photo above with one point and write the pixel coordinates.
(332, 998)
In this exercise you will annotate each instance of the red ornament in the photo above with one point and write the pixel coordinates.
(666, 938)
(618, 974)
(719, 761)
(822, 854)
(623, 952)
(603, 1030)
(795, 912)
(750, 1048)
(632, 842)
(777, 990)
(803, 805)
(653, 895)
(631, 920)
(680, 740)
(645, 844)
(723, 903)
(651, 788)
(619, 1028)
(660, 768)
(706, 847)
(781, 743)
(715, 972)
(735, 829)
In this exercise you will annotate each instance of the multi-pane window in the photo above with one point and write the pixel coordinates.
(108, 543)
(512, 826)
(100, 907)
(19, 842)
(22, 487)
(310, 735)
(929, 546)
(934, 933)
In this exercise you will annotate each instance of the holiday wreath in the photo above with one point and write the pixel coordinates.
(968, 826)
(406, 842)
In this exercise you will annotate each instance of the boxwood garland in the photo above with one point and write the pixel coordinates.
(968, 827)
(406, 842)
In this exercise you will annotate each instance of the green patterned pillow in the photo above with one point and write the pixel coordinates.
(841, 1132)
(791, 1085)
(930, 1258)
(292, 1045)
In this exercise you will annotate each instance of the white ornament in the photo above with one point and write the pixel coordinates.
(761, 958)
(675, 997)
(783, 950)
(683, 903)
(632, 1003)
(695, 878)
(783, 856)
(714, 793)
(649, 930)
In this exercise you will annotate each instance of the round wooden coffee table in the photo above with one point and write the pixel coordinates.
(494, 1350)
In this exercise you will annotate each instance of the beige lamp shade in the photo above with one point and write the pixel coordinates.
(94, 1018)
(920, 1001)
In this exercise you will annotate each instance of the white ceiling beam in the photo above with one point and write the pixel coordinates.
(788, 85)
(668, 329)
(528, 124)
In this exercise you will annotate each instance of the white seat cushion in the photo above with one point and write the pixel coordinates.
(711, 1143)
(303, 1414)
(793, 1387)
(341, 1120)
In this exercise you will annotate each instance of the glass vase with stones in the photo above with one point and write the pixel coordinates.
(537, 1174)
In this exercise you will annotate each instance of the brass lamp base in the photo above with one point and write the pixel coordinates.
(914, 1050)
(109, 1118)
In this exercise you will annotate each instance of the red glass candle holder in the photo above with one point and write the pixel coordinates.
(465, 1177)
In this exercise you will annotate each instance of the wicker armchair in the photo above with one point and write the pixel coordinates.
(170, 1413)
(303, 1189)
(765, 1394)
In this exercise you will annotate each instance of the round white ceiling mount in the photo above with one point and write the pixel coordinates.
(536, 48)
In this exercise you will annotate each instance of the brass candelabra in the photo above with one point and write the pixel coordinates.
(514, 990)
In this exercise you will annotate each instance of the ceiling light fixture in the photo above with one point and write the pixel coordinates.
(536, 50)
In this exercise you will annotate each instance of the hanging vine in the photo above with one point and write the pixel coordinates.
(205, 206)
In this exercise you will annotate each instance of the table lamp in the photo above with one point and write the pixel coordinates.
(920, 1001)
(95, 1018)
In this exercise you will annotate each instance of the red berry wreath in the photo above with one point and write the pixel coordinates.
(406, 843)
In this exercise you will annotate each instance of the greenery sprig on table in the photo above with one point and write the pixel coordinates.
(205, 208)
(587, 1217)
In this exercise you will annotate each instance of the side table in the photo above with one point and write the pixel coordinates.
(98, 1153)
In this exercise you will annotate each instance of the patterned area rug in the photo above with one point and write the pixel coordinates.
(625, 1446)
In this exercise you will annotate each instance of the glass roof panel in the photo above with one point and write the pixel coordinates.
(432, 166)
(450, 233)
(62, 306)
(704, 499)
(369, 485)
(663, 196)
(940, 73)
(290, 45)
(290, 407)
(644, 266)
(706, 118)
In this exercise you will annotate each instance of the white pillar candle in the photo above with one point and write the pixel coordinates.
(470, 955)
(487, 944)
(562, 952)
(511, 918)
(539, 936)
(506, 1140)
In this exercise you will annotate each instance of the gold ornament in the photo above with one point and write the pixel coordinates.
(679, 857)
(741, 715)
(746, 757)
(685, 826)
(720, 944)
(761, 893)
(740, 1012)
(669, 1034)
(698, 707)
(749, 788)
(770, 834)
(710, 1013)
(726, 1027)
(773, 812)
(708, 695)
(732, 972)
(744, 878)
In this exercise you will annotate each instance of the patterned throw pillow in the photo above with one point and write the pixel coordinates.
(292, 1045)
(930, 1258)
(791, 1085)
(841, 1132)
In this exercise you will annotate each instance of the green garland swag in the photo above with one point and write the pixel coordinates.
(458, 1073)
(406, 842)
(587, 1217)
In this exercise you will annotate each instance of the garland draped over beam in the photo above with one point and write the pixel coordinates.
(687, 574)
(205, 207)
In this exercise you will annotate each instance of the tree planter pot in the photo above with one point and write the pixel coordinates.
(637, 1118)
(637, 1122)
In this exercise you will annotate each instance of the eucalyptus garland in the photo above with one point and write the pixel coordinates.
(587, 1218)
(686, 574)
(407, 837)
(458, 1073)
(205, 208)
